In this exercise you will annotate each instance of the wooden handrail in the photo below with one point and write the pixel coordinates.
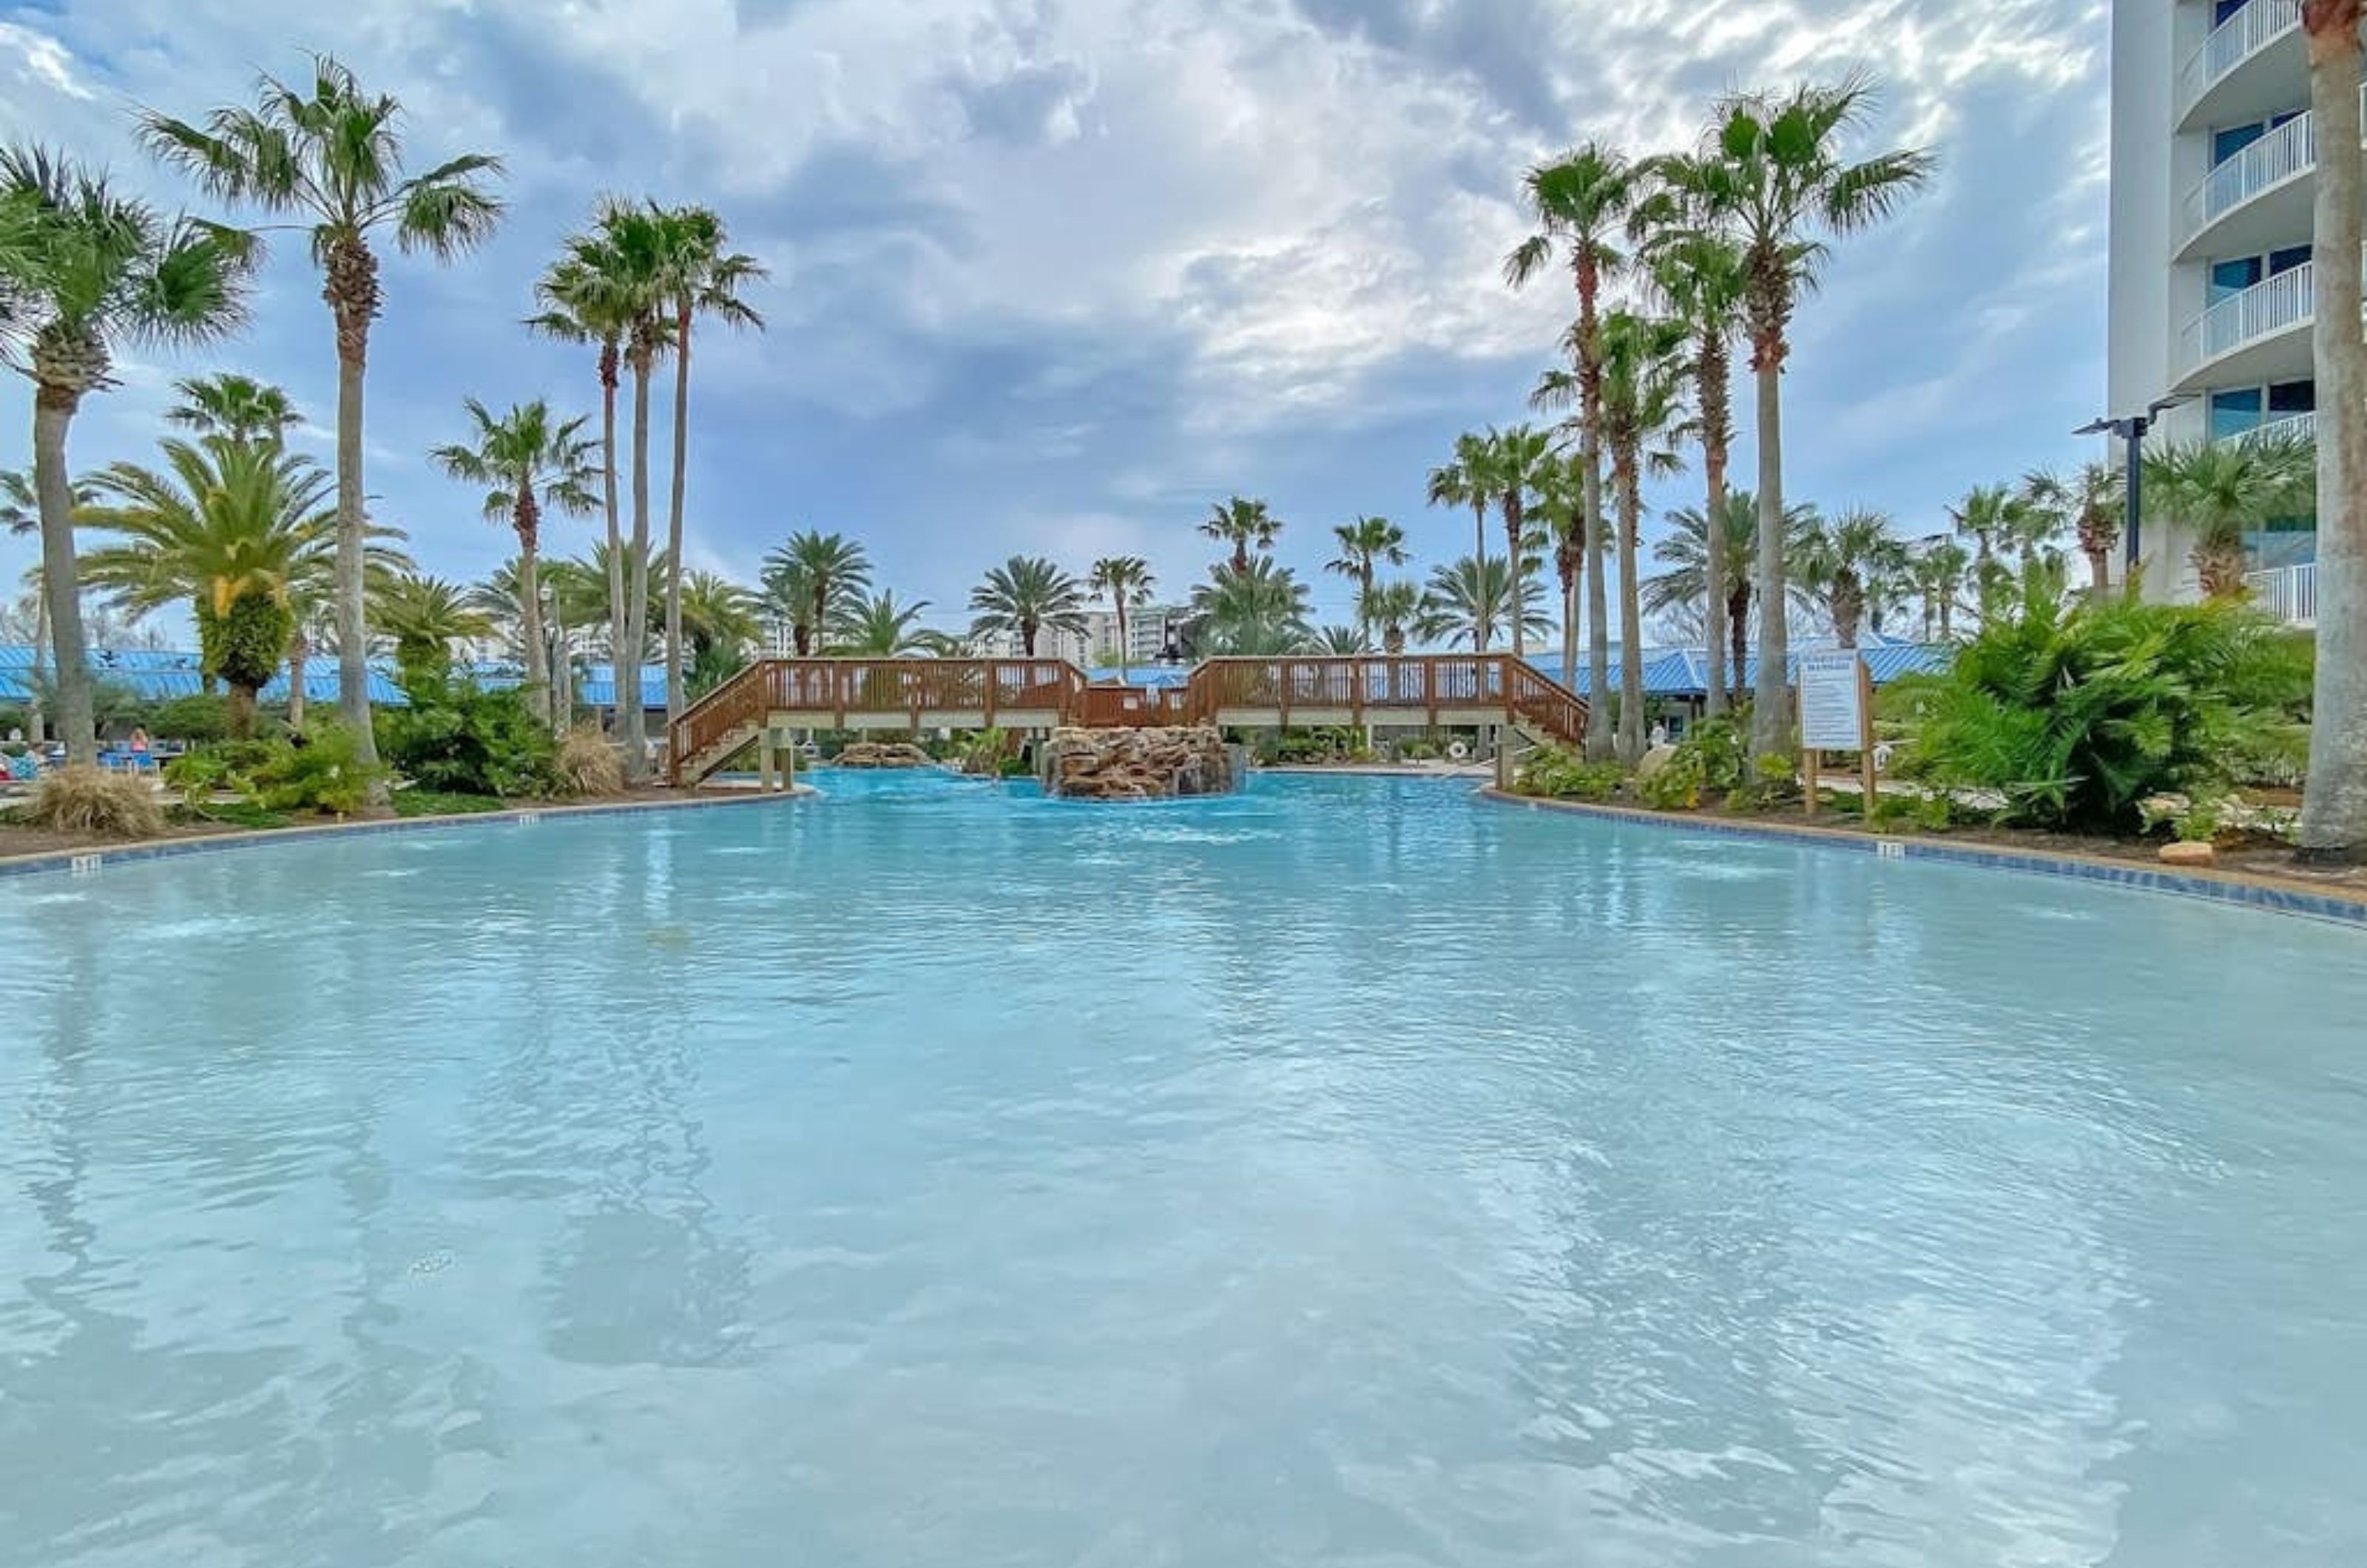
(1377, 684)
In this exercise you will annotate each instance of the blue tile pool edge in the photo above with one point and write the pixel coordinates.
(84, 861)
(2337, 907)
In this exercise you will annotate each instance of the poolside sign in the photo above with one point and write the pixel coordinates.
(1837, 714)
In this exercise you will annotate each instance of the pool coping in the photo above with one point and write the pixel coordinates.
(2340, 905)
(93, 858)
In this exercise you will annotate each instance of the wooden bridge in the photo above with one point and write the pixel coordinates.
(906, 695)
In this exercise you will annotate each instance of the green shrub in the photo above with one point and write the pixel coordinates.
(320, 772)
(459, 738)
(1556, 772)
(1709, 761)
(431, 802)
(228, 766)
(91, 800)
(1423, 750)
(587, 766)
(200, 719)
(2073, 716)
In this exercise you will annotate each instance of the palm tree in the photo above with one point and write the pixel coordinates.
(1126, 580)
(21, 513)
(1698, 271)
(877, 627)
(423, 618)
(1939, 574)
(527, 460)
(1773, 175)
(1459, 596)
(1517, 460)
(1852, 566)
(331, 154)
(1561, 504)
(84, 272)
(1464, 481)
(811, 581)
(1643, 369)
(1024, 595)
(1685, 587)
(2226, 490)
(1366, 545)
(1581, 203)
(238, 530)
(237, 407)
(1260, 609)
(1340, 642)
(1393, 607)
(2090, 501)
(702, 276)
(2334, 804)
(719, 622)
(1243, 524)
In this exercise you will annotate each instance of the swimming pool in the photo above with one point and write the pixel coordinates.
(1344, 1173)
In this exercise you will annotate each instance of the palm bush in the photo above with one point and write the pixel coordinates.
(2073, 716)
(1555, 773)
(326, 773)
(456, 738)
(91, 800)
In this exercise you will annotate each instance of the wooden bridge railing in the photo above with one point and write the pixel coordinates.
(1418, 685)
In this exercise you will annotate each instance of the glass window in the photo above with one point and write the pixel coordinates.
(2233, 413)
(2285, 119)
(2233, 277)
(2293, 397)
(2223, 9)
(2287, 259)
(2226, 144)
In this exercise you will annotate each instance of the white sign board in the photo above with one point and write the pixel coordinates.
(1829, 716)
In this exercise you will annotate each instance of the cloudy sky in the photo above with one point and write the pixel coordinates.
(1055, 276)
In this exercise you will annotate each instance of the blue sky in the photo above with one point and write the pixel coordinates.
(1055, 276)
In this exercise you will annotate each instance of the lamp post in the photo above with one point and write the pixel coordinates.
(2133, 431)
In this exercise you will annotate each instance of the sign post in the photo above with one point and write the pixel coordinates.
(1837, 714)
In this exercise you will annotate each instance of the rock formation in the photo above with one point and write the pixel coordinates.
(884, 754)
(1135, 764)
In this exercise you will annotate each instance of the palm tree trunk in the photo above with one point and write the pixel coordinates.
(1512, 585)
(1569, 631)
(352, 291)
(1118, 603)
(1601, 740)
(1714, 398)
(1480, 617)
(1770, 717)
(299, 650)
(615, 527)
(2334, 803)
(1631, 612)
(1738, 635)
(2099, 574)
(54, 412)
(677, 696)
(242, 711)
(631, 722)
(562, 669)
(529, 576)
(33, 725)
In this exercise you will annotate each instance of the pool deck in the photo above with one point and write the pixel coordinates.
(2288, 896)
(91, 858)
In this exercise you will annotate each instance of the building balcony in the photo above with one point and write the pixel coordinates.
(2259, 336)
(2288, 592)
(2259, 199)
(2248, 68)
(2285, 427)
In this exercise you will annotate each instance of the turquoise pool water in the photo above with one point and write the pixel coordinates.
(1345, 1173)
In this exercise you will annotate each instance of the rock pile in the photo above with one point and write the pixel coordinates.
(1135, 764)
(883, 754)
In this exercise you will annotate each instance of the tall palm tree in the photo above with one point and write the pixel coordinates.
(1643, 376)
(527, 460)
(1464, 481)
(1685, 587)
(703, 276)
(1244, 525)
(1561, 509)
(21, 513)
(1458, 597)
(2090, 501)
(1938, 572)
(1260, 609)
(84, 272)
(1854, 566)
(1366, 545)
(719, 622)
(1125, 581)
(423, 618)
(236, 529)
(1393, 607)
(877, 627)
(2334, 805)
(1580, 204)
(1696, 269)
(1774, 176)
(330, 155)
(810, 580)
(2226, 490)
(237, 407)
(1024, 595)
(1517, 460)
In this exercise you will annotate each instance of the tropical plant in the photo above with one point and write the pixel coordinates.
(1366, 545)
(1556, 772)
(2092, 501)
(241, 532)
(328, 772)
(810, 583)
(237, 408)
(1773, 175)
(2226, 490)
(1244, 526)
(1561, 506)
(1260, 609)
(1940, 571)
(86, 272)
(424, 616)
(1518, 459)
(719, 621)
(877, 627)
(1459, 597)
(1464, 481)
(1854, 567)
(2073, 716)
(21, 513)
(1392, 608)
(1685, 586)
(526, 460)
(1642, 367)
(1024, 595)
(330, 155)
(700, 275)
(457, 737)
(1125, 581)
(2334, 804)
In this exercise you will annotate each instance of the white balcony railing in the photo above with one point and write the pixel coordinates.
(2235, 40)
(2290, 150)
(2288, 592)
(2287, 427)
(2271, 305)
